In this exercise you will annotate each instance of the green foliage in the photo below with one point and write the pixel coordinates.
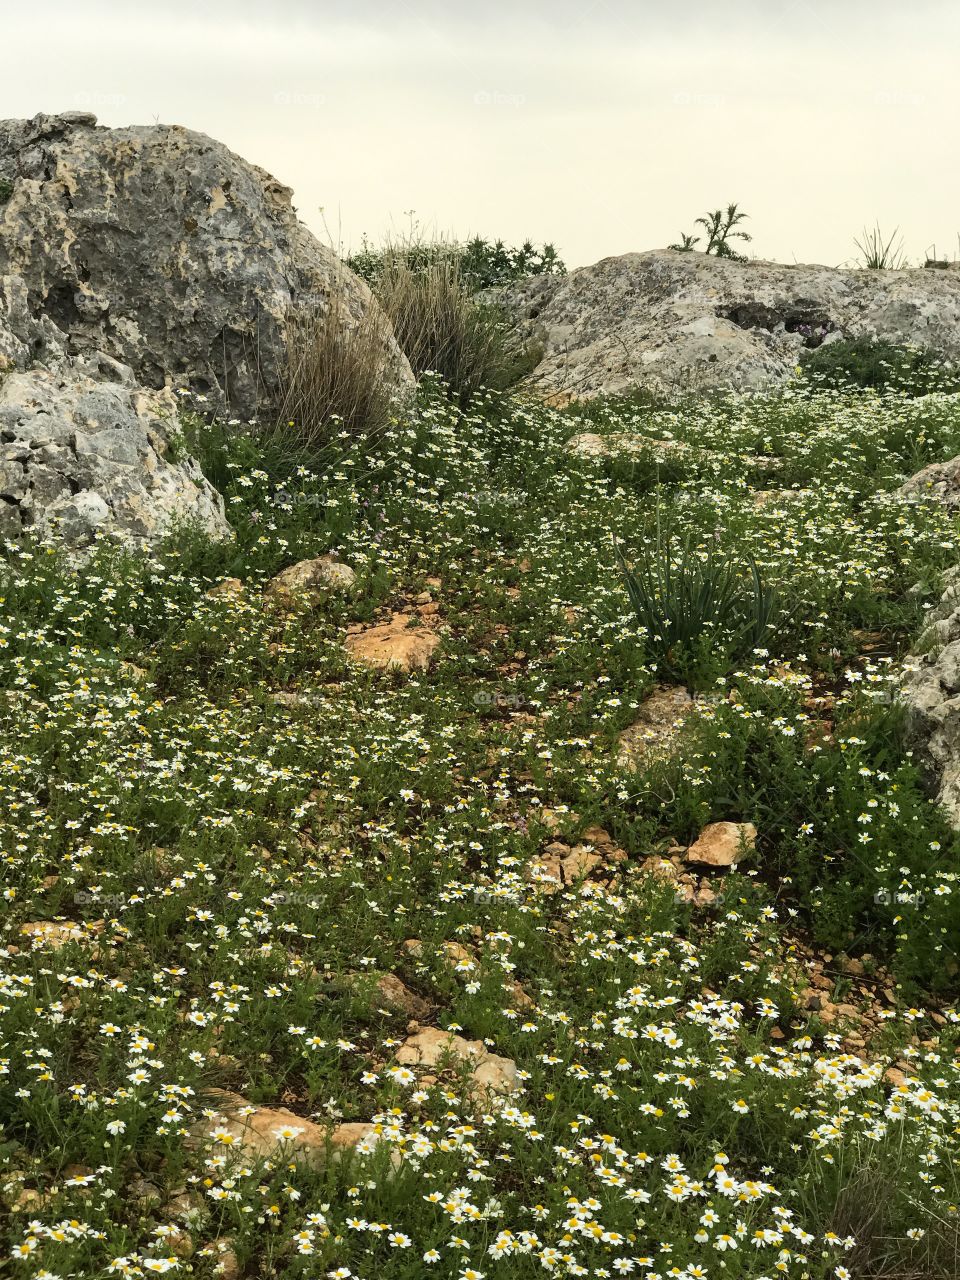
(877, 363)
(720, 226)
(6, 190)
(879, 252)
(700, 613)
(481, 263)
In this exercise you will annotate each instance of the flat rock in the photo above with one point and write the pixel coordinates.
(930, 695)
(394, 644)
(267, 1131)
(489, 1072)
(722, 844)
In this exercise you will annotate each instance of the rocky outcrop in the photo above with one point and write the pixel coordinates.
(160, 248)
(672, 321)
(84, 450)
(940, 481)
(931, 698)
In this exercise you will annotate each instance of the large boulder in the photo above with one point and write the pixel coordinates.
(162, 249)
(930, 695)
(672, 321)
(85, 450)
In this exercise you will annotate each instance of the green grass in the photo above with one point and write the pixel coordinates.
(249, 864)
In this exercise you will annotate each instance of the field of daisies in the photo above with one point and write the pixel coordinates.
(315, 969)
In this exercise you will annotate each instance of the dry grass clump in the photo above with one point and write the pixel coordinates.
(337, 371)
(440, 327)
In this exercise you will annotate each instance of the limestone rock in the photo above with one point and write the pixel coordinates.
(658, 726)
(489, 1072)
(394, 644)
(722, 844)
(940, 480)
(160, 247)
(310, 577)
(267, 1131)
(674, 321)
(228, 589)
(931, 697)
(84, 450)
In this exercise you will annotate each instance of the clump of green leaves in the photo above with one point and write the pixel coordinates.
(700, 611)
(721, 227)
(6, 190)
(877, 363)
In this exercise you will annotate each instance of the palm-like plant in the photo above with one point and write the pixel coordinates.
(721, 227)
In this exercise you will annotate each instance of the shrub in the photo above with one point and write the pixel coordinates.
(700, 612)
(481, 263)
(335, 375)
(874, 362)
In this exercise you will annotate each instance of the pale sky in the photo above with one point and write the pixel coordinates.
(605, 126)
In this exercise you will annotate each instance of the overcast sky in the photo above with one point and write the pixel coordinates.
(603, 125)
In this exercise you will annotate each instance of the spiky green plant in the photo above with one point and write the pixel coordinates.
(699, 610)
(880, 252)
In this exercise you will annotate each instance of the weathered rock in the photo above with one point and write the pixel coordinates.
(228, 589)
(684, 321)
(941, 480)
(658, 726)
(84, 450)
(57, 933)
(310, 578)
(394, 644)
(489, 1072)
(267, 1131)
(931, 697)
(160, 247)
(722, 844)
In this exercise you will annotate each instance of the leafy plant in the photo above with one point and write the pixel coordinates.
(6, 190)
(481, 263)
(881, 253)
(698, 609)
(720, 226)
(877, 363)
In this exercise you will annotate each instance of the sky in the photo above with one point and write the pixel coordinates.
(604, 126)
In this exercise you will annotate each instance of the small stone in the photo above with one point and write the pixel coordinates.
(310, 578)
(228, 589)
(722, 844)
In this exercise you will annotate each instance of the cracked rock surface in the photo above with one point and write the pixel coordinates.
(685, 321)
(161, 248)
(931, 697)
(81, 453)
